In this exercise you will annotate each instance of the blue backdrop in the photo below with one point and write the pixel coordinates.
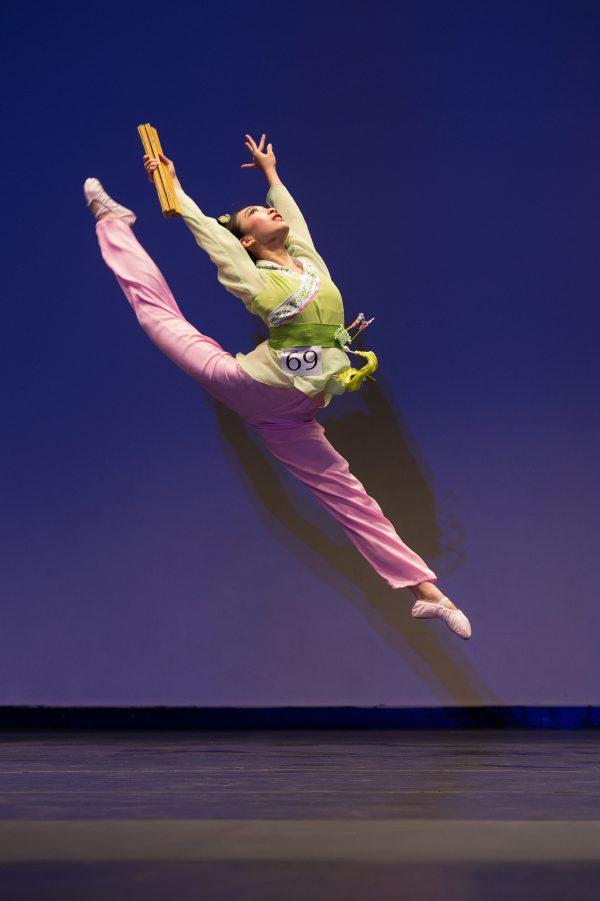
(445, 156)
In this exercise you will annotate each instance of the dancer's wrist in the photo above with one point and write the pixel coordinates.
(271, 176)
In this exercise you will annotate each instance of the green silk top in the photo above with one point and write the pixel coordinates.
(265, 287)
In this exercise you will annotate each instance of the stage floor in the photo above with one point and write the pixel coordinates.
(300, 815)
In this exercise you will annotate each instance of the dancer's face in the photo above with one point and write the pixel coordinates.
(263, 227)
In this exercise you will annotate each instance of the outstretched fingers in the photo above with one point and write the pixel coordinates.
(256, 150)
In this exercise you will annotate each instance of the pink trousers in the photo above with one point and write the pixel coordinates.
(284, 417)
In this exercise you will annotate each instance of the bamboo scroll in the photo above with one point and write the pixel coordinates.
(162, 179)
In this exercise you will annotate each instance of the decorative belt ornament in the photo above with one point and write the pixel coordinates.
(352, 378)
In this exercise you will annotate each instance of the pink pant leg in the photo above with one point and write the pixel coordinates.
(144, 286)
(308, 455)
(198, 355)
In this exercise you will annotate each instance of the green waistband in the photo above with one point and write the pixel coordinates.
(304, 334)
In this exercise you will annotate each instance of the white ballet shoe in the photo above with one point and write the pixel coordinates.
(455, 619)
(93, 190)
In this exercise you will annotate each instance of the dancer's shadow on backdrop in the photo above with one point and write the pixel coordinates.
(377, 447)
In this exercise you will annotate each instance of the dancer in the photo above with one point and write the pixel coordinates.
(281, 409)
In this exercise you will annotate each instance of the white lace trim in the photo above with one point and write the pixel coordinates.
(299, 299)
(268, 264)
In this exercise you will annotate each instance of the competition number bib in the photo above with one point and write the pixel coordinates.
(302, 360)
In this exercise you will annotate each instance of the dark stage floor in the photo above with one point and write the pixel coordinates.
(300, 815)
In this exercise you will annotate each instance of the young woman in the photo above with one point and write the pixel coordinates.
(265, 257)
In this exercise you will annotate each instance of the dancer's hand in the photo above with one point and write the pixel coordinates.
(264, 161)
(150, 164)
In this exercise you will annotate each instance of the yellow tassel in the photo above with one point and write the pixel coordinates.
(353, 378)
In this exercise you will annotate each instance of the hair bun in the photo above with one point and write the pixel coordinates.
(224, 219)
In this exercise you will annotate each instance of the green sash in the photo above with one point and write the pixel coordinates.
(308, 333)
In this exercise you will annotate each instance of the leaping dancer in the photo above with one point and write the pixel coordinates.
(265, 257)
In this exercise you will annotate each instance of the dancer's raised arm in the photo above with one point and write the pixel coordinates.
(280, 198)
(235, 269)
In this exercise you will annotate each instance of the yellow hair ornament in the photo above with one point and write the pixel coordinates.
(224, 218)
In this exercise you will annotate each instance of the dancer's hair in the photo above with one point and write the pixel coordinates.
(232, 222)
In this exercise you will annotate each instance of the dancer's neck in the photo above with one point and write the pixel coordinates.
(282, 258)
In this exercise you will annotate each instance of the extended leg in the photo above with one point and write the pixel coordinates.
(144, 286)
(308, 455)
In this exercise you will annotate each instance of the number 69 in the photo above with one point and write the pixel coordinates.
(309, 357)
